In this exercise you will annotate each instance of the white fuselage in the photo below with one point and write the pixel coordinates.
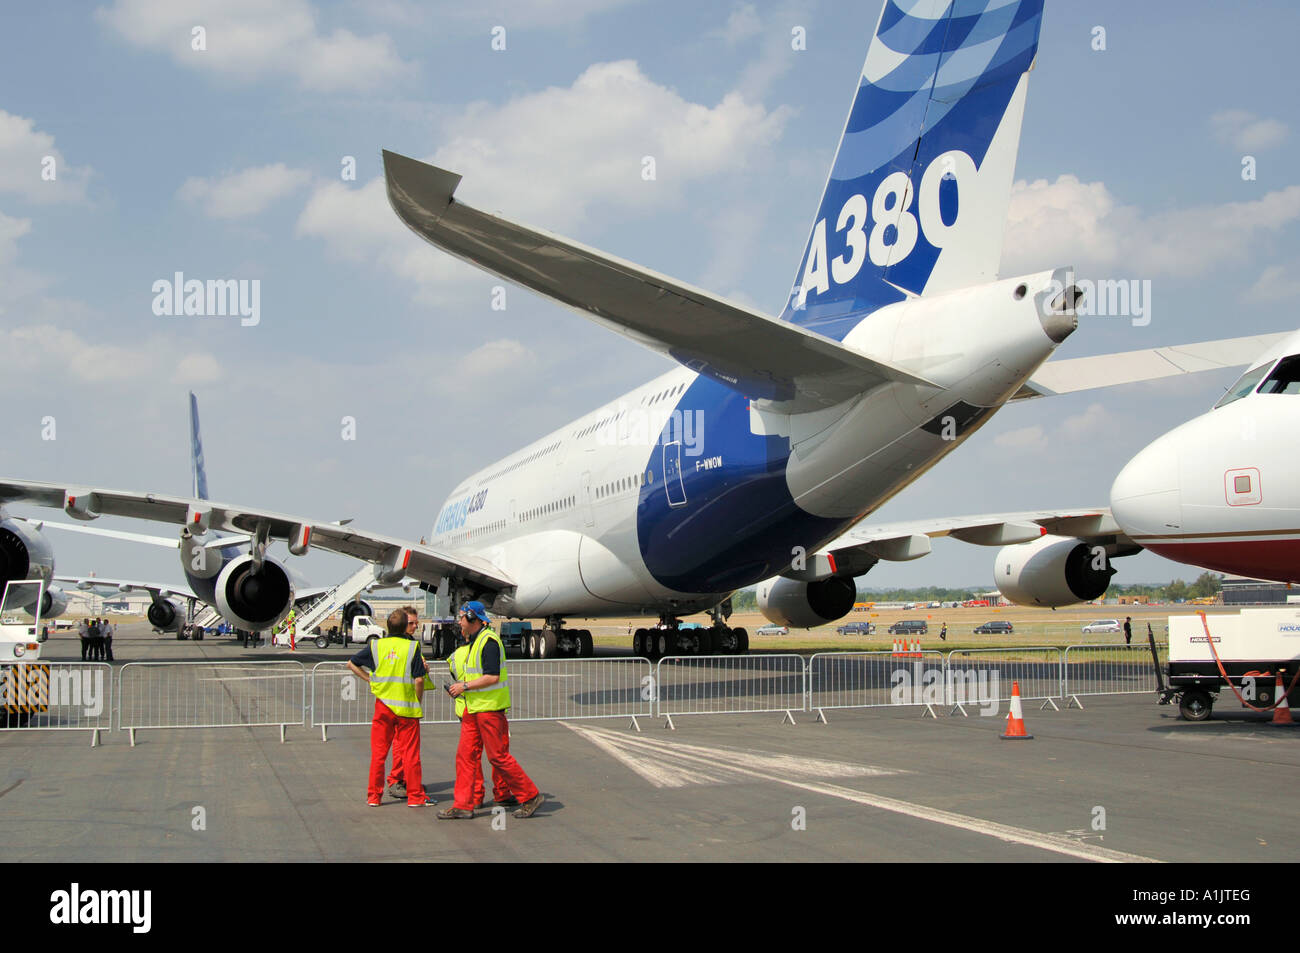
(682, 490)
(1220, 491)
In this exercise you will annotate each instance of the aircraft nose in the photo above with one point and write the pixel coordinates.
(1146, 497)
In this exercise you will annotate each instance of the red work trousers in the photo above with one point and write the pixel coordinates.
(500, 786)
(487, 730)
(403, 736)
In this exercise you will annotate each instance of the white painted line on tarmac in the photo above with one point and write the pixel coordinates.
(673, 764)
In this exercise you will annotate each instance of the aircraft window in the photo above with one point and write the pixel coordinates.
(1285, 378)
(1245, 384)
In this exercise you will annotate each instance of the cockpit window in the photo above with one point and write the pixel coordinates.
(1285, 378)
(1245, 384)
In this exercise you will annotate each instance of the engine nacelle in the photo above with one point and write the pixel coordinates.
(164, 615)
(803, 605)
(24, 555)
(1052, 571)
(357, 607)
(254, 601)
(53, 603)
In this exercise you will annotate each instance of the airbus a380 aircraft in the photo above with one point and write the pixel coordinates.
(773, 435)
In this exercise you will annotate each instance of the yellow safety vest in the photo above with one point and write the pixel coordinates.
(494, 697)
(456, 663)
(391, 682)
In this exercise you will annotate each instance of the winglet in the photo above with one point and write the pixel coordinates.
(417, 191)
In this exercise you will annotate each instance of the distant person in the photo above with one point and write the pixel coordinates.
(107, 631)
(943, 632)
(96, 642)
(244, 636)
(83, 632)
(394, 670)
(1128, 630)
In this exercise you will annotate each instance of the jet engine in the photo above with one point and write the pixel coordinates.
(24, 554)
(803, 605)
(251, 600)
(1052, 571)
(164, 615)
(53, 603)
(356, 607)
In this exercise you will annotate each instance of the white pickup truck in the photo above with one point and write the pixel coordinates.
(363, 627)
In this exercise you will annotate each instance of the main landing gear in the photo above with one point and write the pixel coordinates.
(669, 638)
(555, 641)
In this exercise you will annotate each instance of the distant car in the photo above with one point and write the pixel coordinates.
(910, 627)
(771, 629)
(1103, 625)
(988, 628)
(857, 628)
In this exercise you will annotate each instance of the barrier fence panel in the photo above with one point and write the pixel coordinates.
(580, 688)
(1112, 669)
(57, 696)
(874, 679)
(210, 695)
(729, 684)
(987, 674)
(340, 698)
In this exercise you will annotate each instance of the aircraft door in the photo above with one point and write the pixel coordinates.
(588, 516)
(673, 485)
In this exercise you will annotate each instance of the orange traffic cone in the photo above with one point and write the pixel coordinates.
(1282, 710)
(1016, 719)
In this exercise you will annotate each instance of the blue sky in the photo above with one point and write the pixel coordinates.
(225, 163)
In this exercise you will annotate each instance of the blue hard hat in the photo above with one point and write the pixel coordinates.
(476, 608)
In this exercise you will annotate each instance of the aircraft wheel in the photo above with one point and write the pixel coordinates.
(742, 641)
(322, 641)
(664, 643)
(586, 647)
(530, 645)
(1195, 705)
(547, 644)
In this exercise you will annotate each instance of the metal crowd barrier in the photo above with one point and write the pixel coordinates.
(57, 696)
(729, 684)
(210, 695)
(340, 698)
(581, 688)
(1110, 669)
(874, 680)
(1038, 669)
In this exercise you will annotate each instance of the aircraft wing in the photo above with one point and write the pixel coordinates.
(762, 357)
(1127, 367)
(863, 546)
(158, 590)
(171, 542)
(392, 555)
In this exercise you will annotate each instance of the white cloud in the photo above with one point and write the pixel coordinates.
(1082, 223)
(741, 25)
(25, 154)
(11, 229)
(1093, 421)
(1025, 438)
(1246, 131)
(549, 158)
(250, 39)
(197, 369)
(497, 355)
(245, 193)
(1277, 283)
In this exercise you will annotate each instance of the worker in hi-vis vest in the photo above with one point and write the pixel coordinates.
(485, 685)
(500, 787)
(395, 670)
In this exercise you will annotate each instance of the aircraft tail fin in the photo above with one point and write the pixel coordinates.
(916, 200)
(199, 488)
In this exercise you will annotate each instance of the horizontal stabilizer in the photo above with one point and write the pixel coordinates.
(759, 356)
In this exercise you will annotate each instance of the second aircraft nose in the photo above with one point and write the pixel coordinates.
(1145, 498)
